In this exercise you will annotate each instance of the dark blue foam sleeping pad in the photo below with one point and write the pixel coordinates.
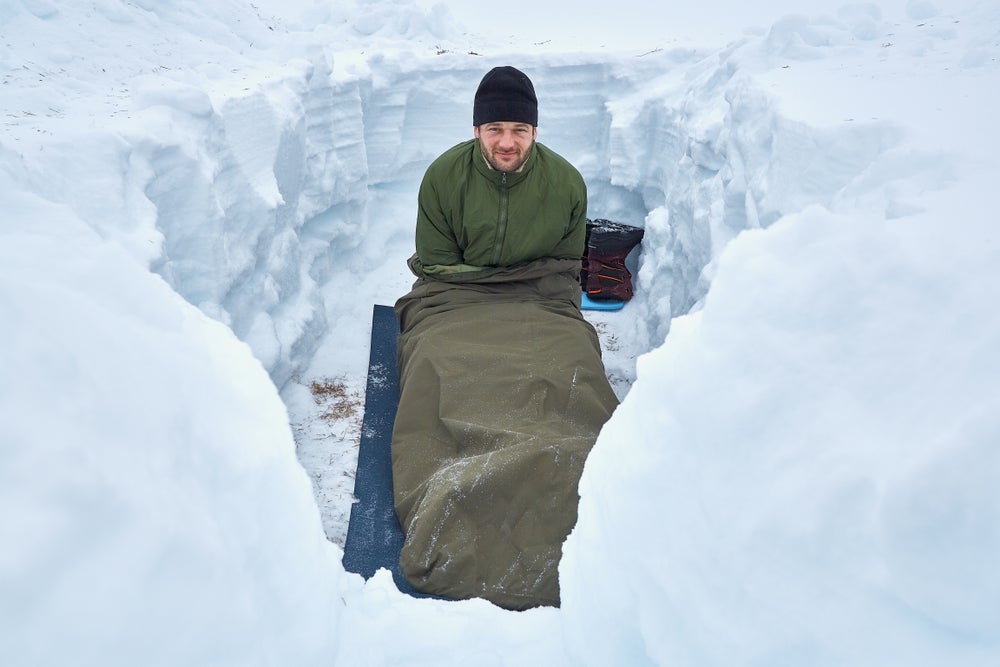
(374, 536)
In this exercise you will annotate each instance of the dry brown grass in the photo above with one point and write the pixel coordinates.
(334, 399)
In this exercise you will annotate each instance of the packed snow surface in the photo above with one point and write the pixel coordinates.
(201, 202)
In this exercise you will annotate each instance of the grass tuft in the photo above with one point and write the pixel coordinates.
(336, 402)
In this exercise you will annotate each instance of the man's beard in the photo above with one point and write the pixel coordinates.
(488, 156)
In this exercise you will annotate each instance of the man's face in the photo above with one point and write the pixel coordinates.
(506, 145)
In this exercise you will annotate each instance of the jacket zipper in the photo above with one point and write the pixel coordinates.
(501, 221)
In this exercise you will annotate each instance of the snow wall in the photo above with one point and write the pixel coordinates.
(248, 205)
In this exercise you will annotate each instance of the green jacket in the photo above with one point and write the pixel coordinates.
(471, 218)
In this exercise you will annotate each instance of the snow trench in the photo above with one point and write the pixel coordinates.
(282, 203)
(297, 200)
(286, 212)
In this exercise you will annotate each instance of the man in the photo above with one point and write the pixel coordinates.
(500, 199)
(502, 388)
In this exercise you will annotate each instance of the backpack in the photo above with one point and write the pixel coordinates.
(604, 274)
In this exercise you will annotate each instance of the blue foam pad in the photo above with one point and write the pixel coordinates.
(374, 536)
(586, 303)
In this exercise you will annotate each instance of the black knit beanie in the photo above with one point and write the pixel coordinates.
(505, 94)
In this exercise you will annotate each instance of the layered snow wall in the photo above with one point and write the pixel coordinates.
(269, 204)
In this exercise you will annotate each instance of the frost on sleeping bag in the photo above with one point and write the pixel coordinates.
(502, 395)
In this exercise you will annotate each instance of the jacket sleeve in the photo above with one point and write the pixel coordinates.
(575, 238)
(435, 238)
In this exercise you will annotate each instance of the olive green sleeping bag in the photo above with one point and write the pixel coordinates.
(502, 395)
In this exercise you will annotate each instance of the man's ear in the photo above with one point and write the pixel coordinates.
(475, 131)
